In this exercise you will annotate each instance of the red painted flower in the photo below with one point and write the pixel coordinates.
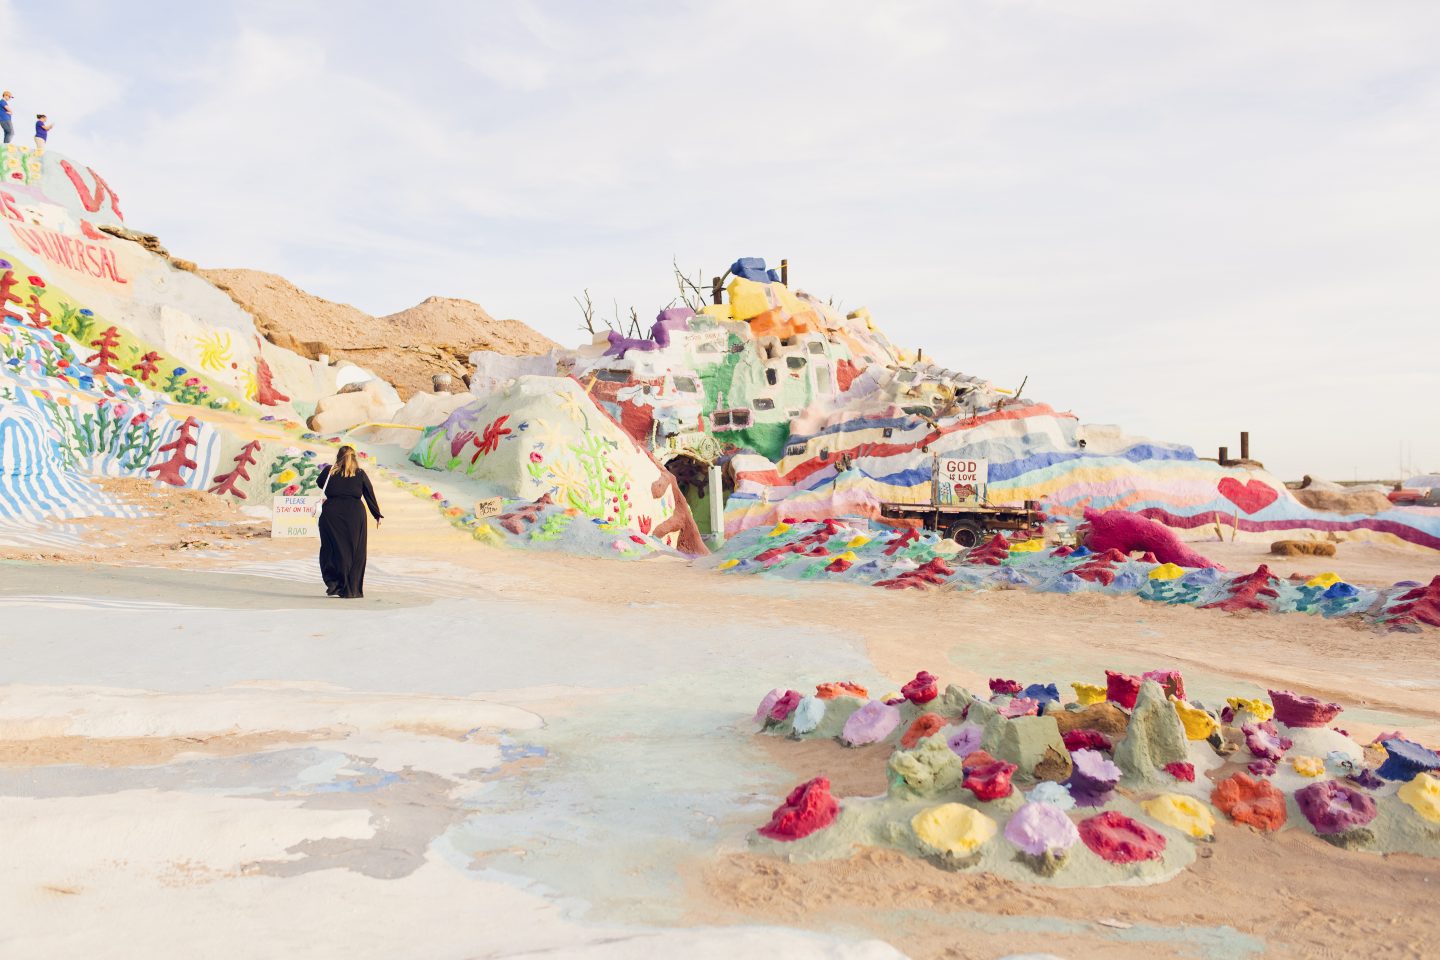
(59, 338)
(291, 490)
(535, 457)
(139, 418)
(37, 282)
(192, 381)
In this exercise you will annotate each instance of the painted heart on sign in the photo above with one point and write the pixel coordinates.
(1252, 497)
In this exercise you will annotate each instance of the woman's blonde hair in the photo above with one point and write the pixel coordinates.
(346, 463)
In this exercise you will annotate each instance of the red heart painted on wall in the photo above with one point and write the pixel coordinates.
(1252, 496)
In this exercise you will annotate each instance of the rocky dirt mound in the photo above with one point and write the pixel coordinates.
(406, 348)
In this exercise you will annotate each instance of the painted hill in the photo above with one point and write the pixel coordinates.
(406, 348)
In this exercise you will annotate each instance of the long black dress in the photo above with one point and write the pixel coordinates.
(343, 532)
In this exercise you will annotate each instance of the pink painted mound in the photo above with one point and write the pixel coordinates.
(1127, 532)
(1019, 707)
(1086, 739)
(990, 781)
(1122, 688)
(1114, 837)
(924, 688)
(1258, 803)
(992, 552)
(999, 685)
(786, 705)
(1297, 710)
(1333, 807)
(1417, 606)
(1181, 771)
(871, 723)
(1170, 680)
(771, 698)
(1264, 741)
(925, 725)
(808, 808)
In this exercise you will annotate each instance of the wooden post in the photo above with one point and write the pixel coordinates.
(1224, 455)
(715, 289)
(785, 272)
(717, 506)
(1244, 445)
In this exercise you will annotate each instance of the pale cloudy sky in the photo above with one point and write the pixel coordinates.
(1187, 218)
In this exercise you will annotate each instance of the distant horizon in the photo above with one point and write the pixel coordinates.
(1188, 222)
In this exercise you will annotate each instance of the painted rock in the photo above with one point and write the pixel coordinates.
(1198, 724)
(977, 758)
(1121, 688)
(1297, 710)
(1103, 716)
(762, 712)
(1170, 681)
(1258, 803)
(1093, 779)
(925, 725)
(952, 828)
(1308, 766)
(924, 688)
(1186, 814)
(808, 714)
(783, 707)
(1041, 693)
(1083, 739)
(1258, 709)
(1333, 807)
(841, 688)
(1019, 707)
(808, 808)
(1055, 794)
(1088, 693)
(1264, 741)
(1422, 794)
(1263, 767)
(990, 781)
(1010, 687)
(1041, 828)
(1154, 737)
(1114, 837)
(966, 740)
(1181, 771)
(928, 770)
(1405, 758)
(1366, 778)
(870, 724)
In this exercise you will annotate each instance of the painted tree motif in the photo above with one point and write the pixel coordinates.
(105, 353)
(489, 441)
(8, 296)
(39, 316)
(169, 470)
(226, 482)
(147, 366)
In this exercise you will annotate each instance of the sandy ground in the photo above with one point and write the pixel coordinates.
(643, 674)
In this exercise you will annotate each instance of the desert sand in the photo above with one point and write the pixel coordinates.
(276, 674)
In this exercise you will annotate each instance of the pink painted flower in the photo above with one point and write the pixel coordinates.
(192, 382)
(139, 418)
(535, 456)
(291, 490)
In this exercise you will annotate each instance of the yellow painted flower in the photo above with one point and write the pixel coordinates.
(287, 475)
(1308, 766)
(1258, 709)
(952, 828)
(568, 479)
(1198, 724)
(214, 350)
(1186, 814)
(1088, 693)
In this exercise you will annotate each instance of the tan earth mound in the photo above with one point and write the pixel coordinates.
(406, 348)
(1302, 548)
(1359, 501)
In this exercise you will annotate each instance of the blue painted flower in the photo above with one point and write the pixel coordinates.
(87, 312)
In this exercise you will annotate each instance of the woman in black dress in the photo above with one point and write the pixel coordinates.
(342, 524)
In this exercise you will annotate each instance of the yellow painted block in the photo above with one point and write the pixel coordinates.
(1186, 814)
(1033, 545)
(729, 563)
(1259, 709)
(1323, 580)
(1423, 796)
(785, 298)
(1088, 693)
(748, 298)
(846, 556)
(859, 540)
(779, 529)
(1167, 571)
(953, 828)
(1308, 766)
(1198, 724)
(862, 314)
(720, 311)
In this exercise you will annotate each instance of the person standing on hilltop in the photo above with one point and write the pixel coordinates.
(42, 132)
(5, 124)
(343, 530)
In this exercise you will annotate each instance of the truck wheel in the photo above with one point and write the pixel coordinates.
(966, 534)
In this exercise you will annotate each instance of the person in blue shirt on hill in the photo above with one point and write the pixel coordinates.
(42, 132)
(5, 124)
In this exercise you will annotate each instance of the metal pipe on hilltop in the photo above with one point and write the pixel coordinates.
(1224, 455)
(1244, 445)
(715, 288)
(785, 272)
